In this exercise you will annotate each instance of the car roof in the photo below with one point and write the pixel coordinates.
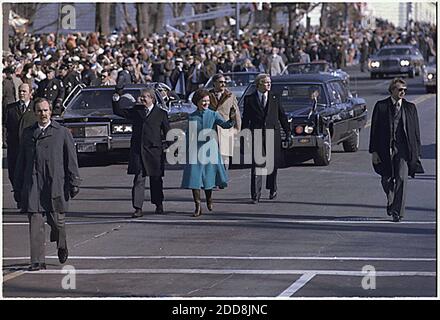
(397, 46)
(306, 77)
(304, 63)
(130, 86)
(240, 72)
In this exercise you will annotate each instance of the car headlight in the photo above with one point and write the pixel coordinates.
(404, 63)
(96, 131)
(375, 64)
(299, 129)
(122, 128)
(430, 76)
(308, 129)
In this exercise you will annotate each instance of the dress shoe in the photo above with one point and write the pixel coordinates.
(255, 201)
(62, 255)
(159, 209)
(273, 195)
(389, 210)
(137, 213)
(37, 267)
(396, 217)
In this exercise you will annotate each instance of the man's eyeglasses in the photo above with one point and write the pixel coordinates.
(403, 89)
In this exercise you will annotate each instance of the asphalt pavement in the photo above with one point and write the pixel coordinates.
(326, 235)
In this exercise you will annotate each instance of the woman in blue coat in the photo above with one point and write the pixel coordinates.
(204, 168)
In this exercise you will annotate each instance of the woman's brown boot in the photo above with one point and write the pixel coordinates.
(208, 194)
(197, 202)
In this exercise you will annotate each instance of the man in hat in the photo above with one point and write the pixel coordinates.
(53, 90)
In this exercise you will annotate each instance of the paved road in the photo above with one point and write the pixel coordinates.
(326, 235)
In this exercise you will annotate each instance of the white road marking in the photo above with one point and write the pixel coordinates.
(360, 220)
(298, 284)
(354, 273)
(12, 275)
(409, 259)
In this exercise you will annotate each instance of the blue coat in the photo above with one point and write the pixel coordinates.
(204, 168)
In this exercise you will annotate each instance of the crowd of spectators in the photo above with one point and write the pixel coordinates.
(186, 62)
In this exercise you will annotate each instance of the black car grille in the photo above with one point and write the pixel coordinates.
(390, 63)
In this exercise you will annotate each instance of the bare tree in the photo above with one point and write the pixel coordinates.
(177, 9)
(143, 20)
(103, 10)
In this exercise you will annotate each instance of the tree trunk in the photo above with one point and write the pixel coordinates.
(142, 20)
(323, 18)
(103, 17)
(157, 21)
(6, 7)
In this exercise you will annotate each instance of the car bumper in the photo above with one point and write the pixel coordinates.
(430, 83)
(304, 142)
(101, 145)
(391, 70)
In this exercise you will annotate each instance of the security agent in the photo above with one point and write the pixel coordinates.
(46, 177)
(395, 145)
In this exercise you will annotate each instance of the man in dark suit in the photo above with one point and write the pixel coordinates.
(146, 151)
(395, 145)
(18, 116)
(46, 177)
(262, 110)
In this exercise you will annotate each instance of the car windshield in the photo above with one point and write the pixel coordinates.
(236, 80)
(394, 52)
(297, 95)
(307, 68)
(99, 99)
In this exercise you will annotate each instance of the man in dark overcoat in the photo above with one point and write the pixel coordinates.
(150, 124)
(18, 116)
(395, 145)
(262, 110)
(46, 177)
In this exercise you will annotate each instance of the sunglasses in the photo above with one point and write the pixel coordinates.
(403, 89)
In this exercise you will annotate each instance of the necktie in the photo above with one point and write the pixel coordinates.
(22, 107)
(263, 100)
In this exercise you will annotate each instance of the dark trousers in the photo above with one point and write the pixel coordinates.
(37, 232)
(257, 182)
(138, 190)
(395, 187)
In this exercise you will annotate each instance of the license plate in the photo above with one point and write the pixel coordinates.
(86, 147)
(304, 140)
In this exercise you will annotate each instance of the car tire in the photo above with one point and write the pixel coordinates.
(412, 73)
(372, 76)
(324, 153)
(352, 143)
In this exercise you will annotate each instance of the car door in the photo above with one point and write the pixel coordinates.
(341, 113)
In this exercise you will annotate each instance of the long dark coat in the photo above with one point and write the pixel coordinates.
(380, 135)
(256, 117)
(15, 122)
(146, 151)
(46, 169)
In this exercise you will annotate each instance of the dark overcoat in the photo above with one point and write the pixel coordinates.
(271, 117)
(15, 122)
(47, 168)
(146, 150)
(380, 135)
